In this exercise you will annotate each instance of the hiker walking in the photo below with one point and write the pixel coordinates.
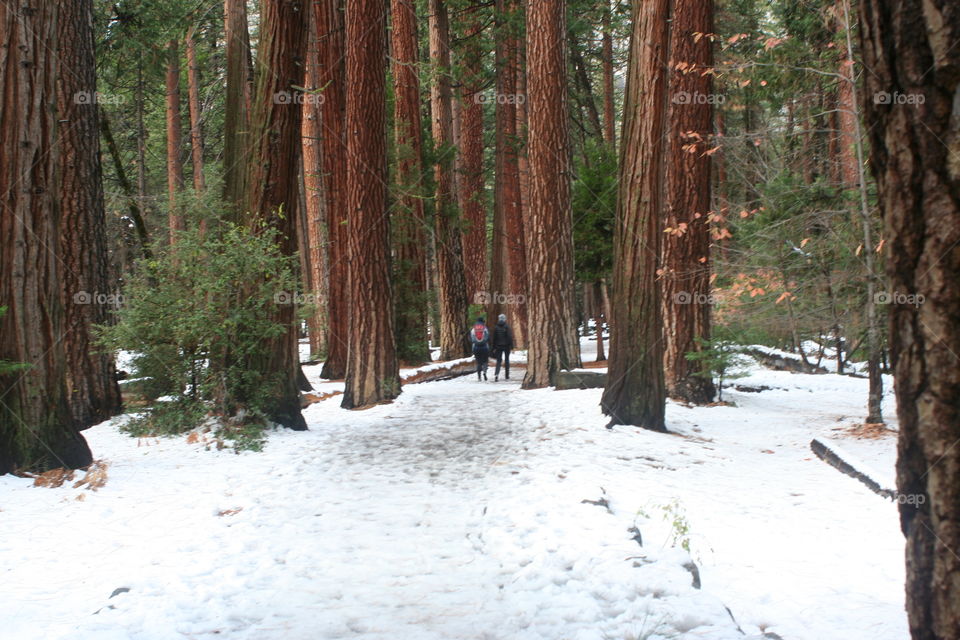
(480, 338)
(501, 342)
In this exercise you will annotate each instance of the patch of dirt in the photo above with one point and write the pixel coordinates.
(869, 431)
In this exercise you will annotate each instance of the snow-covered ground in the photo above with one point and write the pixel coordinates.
(458, 512)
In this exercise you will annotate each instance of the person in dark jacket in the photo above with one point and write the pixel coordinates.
(480, 338)
(501, 341)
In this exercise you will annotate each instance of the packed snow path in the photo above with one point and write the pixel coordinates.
(458, 513)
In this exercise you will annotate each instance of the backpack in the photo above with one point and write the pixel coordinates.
(478, 331)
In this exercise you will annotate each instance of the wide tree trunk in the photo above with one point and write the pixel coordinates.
(274, 187)
(177, 221)
(409, 222)
(685, 249)
(92, 386)
(237, 104)
(372, 372)
(451, 281)
(635, 392)
(328, 17)
(471, 157)
(552, 340)
(37, 430)
(912, 81)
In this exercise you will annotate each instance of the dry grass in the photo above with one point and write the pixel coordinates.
(869, 431)
(95, 477)
(53, 478)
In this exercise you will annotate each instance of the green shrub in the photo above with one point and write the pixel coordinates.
(196, 315)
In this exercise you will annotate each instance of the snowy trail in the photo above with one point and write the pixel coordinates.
(457, 513)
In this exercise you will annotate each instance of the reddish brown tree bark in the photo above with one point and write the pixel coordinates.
(471, 157)
(92, 386)
(193, 98)
(912, 81)
(451, 282)
(508, 277)
(274, 186)
(177, 222)
(372, 373)
(635, 392)
(685, 249)
(408, 213)
(36, 428)
(552, 340)
(328, 16)
(315, 222)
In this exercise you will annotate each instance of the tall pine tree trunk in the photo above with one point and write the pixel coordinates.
(193, 99)
(36, 428)
(408, 216)
(685, 249)
(92, 386)
(552, 340)
(237, 104)
(471, 154)
(328, 17)
(274, 186)
(635, 392)
(451, 282)
(609, 115)
(177, 222)
(912, 81)
(315, 223)
(372, 373)
(516, 235)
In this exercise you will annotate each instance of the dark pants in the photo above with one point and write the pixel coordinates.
(502, 354)
(482, 355)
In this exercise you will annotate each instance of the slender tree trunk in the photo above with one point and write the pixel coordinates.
(36, 428)
(177, 221)
(315, 224)
(328, 15)
(372, 373)
(516, 233)
(451, 284)
(134, 202)
(237, 107)
(408, 216)
(141, 196)
(274, 180)
(874, 348)
(196, 132)
(609, 116)
(92, 378)
(552, 342)
(598, 318)
(471, 155)
(685, 250)
(908, 51)
(635, 392)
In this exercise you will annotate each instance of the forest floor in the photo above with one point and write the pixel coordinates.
(472, 510)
